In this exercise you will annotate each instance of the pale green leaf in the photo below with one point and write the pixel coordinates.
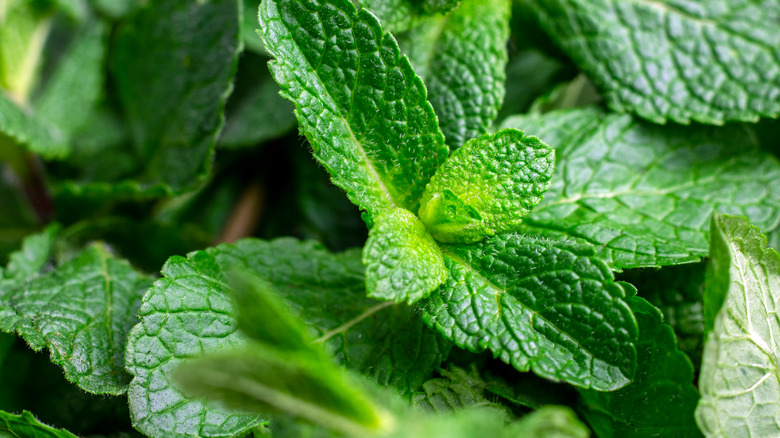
(486, 187)
(81, 311)
(549, 422)
(358, 101)
(739, 375)
(710, 62)
(403, 262)
(644, 194)
(462, 58)
(539, 304)
(21, 125)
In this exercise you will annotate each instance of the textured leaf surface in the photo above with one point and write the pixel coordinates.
(462, 59)
(81, 312)
(395, 15)
(403, 262)
(174, 64)
(643, 194)
(739, 375)
(73, 91)
(358, 101)
(26, 425)
(455, 391)
(548, 306)
(675, 59)
(486, 187)
(189, 312)
(661, 399)
(550, 422)
(22, 126)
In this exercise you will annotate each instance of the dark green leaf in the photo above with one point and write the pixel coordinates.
(462, 59)
(358, 101)
(661, 399)
(643, 194)
(81, 312)
(174, 64)
(670, 59)
(548, 306)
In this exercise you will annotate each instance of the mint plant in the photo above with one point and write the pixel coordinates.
(495, 217)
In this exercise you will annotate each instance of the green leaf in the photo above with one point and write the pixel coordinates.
(403, 262)
(643, 194)
(267, 381)
(24, 27)
(677, 292)
(439, 6)
(189, 312)
(462, 58)
(30, 259)
(394, 15)
(550, 422)
(260, 116)
(486, 187)
(661, 399)
(362, 107)
(174, 63)
(81, 312)
(26, 426)
(457, 390)
(24, 128)
(739, 375)
(72, 93)
(668, 59)
(548, 306)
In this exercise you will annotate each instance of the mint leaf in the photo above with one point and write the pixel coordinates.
(661, 399)
(31, 258)
(358, 101)
(25, 425)
(462, 59)
(548, 306)
(486, 187)
(24, 27)
(739, 375)
(81, 312)
(439, 6)
(190, 311)
(673, 60)
(551, 421)
(457, 390)
(643, 194)
(395, 15)
(403, 262)
(24, 128)
(72, 93)
(173, 86)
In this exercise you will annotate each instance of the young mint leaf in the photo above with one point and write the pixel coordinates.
(81, 312)
(550, 422)
(403, 262)
(739, 375)
(440, 6)
(486, 187)
(266, 381)
(462, 59)
(71, 95)
(643, 194)
(544, 305)
(173, 63)
(190, 311)
(26, 425)
(24, 27)
(358, 101)
(661, 399)
(30, 259)
(395, 15)
(673, 60)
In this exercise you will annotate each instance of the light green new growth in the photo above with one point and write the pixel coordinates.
(739, 379)
(547, 306)
(403, 262)
(710, 61)
(81, 311)
(644, 194)
(486, 187)
(358, 100)
(24, 27)
(462, 58)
